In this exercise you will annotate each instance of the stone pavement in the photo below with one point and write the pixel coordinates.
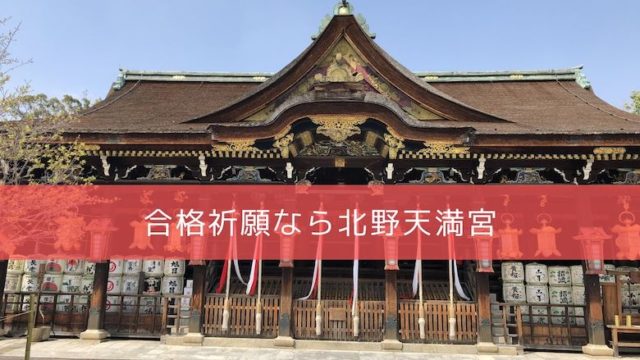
(140, 349)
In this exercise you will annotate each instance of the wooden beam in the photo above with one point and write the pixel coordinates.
(3, 277)
(484, 308)
(391, 305)
(286, 303)
(594, 316)
(197, 299)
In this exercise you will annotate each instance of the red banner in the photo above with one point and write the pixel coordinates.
(487, 222)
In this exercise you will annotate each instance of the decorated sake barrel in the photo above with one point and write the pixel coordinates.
(71, 283)
(539, 315)
(561, 315)
(129, 304)
(625, 269)
(152, 285)
(130, 284)
(172, 285)
(560, 295)
(524, 311)
(608, 278)
(514, 293)
(153, 267)
(116, 267)
(536, 274)
(89, 268)
(86, 284)
(12, 303)
(112, 304)
(114, 285)
(55, 266)
(13, 283)
(537, 294)
(74, 266)
(132, 266)
(29, 283)
(577, 295)
(559, 275)
(627, 297)
(46, 302)
(173, 267)
(32, 266)
(15, 266)
(51, 283)
(577, 275)
(579, 316)
(512, 272)
(150, 305)
(65, 305)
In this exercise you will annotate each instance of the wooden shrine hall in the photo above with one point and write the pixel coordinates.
(345, 112)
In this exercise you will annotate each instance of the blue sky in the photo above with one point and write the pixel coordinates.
(77, 46)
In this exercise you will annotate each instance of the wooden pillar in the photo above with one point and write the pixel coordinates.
(285, 333)
(594, 318)
(390, 335)
(3, 277)
(95, 324)
(484, 308)
(197, 299)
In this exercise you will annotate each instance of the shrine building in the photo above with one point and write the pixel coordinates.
(345, 112)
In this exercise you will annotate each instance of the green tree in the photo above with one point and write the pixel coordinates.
(634, 106)
(32, 147)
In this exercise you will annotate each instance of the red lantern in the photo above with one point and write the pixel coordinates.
(287, 250)
(391, 250)
(484, 253)
(593, 248)
(100, 230)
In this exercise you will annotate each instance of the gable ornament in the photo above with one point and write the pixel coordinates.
(338, 128)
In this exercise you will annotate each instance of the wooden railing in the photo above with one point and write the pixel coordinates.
(65, 313)
(134, 316)
(436, 316)
(175, 315)
(337, 320)
(534, 326)
(242, 316)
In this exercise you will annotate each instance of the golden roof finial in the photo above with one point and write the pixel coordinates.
(343, 8)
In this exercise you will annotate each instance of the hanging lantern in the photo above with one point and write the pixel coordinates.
(592, 239)
(100, 231)
(484, 253)
(287, 249)
(391, 250)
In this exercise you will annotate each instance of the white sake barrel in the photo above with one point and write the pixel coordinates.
(537, 294)
(153, 267)
(577, 295)
(173, 267)
(29, 283)
(150, 305)
(114, 285)
(627, 297)
(86, 285)
(89, 268)
(132, 266)
(74, 266)
(539, 315)
(608, 278)
(51, 283)
(46, 302)
(152, 285)
(71, 283)
(524, 310)
(559, 275)
(13, 303)
(12, 284)
(634, 291)
(112, 304)
(514, 293)
(15, 266)
(130, 284)
(577, 275)
(559, 315)
(579, 316)
(116, 266)
(64, 304)
(55, 266)
(625, 269)
(129, 304)
(32, 266)
(172, 285)
(512, 272)
(536, 274)
(560, 295)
